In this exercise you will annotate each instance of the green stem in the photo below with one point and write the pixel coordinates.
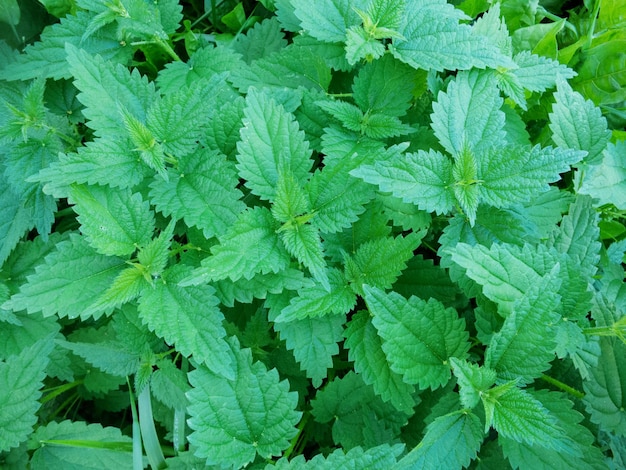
(137, 447)
(592, 26)
(295, 442)
(566, 388)
(148, 431)
(56, 391)
(109, 445)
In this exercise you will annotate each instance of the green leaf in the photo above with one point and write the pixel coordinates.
(235, 419)
(104, 87)
(291, 201)
(381, 457)
(525, 345)
(125, 287)
(451, 441)
(21, 377)
(113, 222)
(361, 45)
(68, 282)
(365, 349)
(394, 97)
(578, 124)
(201, 191)
(468, 114)
(78, 445)
(359, 417)
(316, 301)
(379, 262)
(506, 273)
(304, 243)
(188, 317)
(606, 181)
(522, 455)
(433, 38)
(271, 143)
(10, 12)
(260, 41)
(15, 220)
(110, 162)
(109, 355)
(419, 337)
(539, 73)
(473, 380)
(328, 20)
(516, 414)
(422, 178)
(515, 174)
(249, 247)
(313, 341)
(47, 58)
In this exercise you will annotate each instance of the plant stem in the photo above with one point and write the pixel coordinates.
(566, 388)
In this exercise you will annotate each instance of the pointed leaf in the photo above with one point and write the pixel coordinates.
(419, 337)
(304, 243)
(606, 181)
(21, 378)
(113, 222)
(271, 143)
(235, 419)
(328, 20)
(187, 317)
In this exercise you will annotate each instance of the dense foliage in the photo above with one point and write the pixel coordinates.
(312, 234)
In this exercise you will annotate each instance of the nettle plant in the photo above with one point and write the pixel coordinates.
(350, 234)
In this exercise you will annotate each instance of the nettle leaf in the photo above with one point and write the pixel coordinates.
(291, 200)
(516, 414)
(15, 220)
(110, 162)
(271, 143)
(394, 96)
(539, 73)
(468, 114)
(516, 174)
(473, 380)
(361, 45)
(77, 445)
(69, 281)
(451, 441)
(188, 317)
(577, 123)
(422, 178)
(328, 20)
(504, 272)
(47, 57)
(380, 457)
(104, 86)
(433, 38)
(114, 222)
(235, 419)
(21, 377)
(606, 181)
(314, 342)
(109, 355)
(525, 345)
(316, 301)
(201, 191)
(365, 349)
(304, 243)
(260, 41)
(360, 418)
(379, 262)
(419, 337)
(587, 455)
(249, 247)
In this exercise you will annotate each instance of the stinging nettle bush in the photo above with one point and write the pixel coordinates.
(334, 234)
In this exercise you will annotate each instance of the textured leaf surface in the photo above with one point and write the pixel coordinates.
(606, 181)
(433, 38)
(21, 377)
(304, 243)
(187, 317)
(380, 457)
(328, 20)
(271, 143)
(56, 451)
(418, 336)
(525, 345)
(313, 342)
(468, 114)
(113, 222)
(235, 419)
(104, 87)
(422, 178)
(69, 281)
(365, 349)
(578, 124)
(516, 414)
(202, 191)
(451, 441)
(250, 246)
